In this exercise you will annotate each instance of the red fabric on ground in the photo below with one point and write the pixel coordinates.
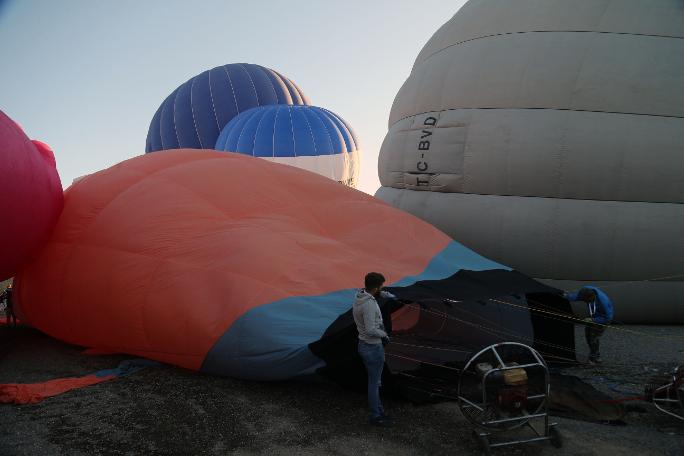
(32, 393)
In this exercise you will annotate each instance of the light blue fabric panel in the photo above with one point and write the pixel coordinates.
(270, 342)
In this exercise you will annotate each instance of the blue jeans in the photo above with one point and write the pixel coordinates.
(373, 356)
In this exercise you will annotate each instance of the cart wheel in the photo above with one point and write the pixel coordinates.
(483, 440)
(555, 437)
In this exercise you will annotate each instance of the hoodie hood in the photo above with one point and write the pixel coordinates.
(362, 296)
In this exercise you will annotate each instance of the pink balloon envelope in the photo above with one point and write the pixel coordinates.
(31, 196)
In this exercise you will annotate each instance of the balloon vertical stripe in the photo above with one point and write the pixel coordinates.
(196, 112)
(308, 137)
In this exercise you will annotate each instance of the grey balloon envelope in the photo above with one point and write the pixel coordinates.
(550, 137)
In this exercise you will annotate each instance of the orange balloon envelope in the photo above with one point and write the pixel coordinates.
(220, 262)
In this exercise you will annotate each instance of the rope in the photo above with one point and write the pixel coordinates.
(506, 332)
(566, 317)
(431, 348)
(433, 384)
(498, 332)
(423, 362)
(622, 399)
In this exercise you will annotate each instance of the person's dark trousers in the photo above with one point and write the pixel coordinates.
(10, 316)
(373, 356)
(593, 333)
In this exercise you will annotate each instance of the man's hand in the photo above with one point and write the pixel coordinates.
(385, 340)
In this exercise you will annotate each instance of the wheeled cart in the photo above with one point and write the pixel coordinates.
(503, 387)
(668, 395)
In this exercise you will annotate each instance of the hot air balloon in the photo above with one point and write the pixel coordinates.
(194, 114)
(30, 196)
(236, 266)
(548, 137)
(307, 137)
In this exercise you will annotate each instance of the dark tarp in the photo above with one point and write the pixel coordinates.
(571, 397)
(437, 325)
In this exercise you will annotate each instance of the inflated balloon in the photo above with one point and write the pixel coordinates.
(549, 137)
(222, 262)
(46, 151)
(307, 137)
(196, 112)
(30, 196)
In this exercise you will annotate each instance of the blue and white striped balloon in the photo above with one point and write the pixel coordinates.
(307, 137)
(196, 112)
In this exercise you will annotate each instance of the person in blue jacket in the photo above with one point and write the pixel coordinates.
(600, 316)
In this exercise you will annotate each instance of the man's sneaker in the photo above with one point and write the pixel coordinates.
(380, 421)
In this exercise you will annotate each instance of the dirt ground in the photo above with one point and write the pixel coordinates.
(167, 410)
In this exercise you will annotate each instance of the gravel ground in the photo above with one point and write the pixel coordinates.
(166, 410)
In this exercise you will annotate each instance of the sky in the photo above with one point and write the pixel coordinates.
(86, 76)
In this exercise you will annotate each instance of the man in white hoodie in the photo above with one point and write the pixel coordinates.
(372, 339)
